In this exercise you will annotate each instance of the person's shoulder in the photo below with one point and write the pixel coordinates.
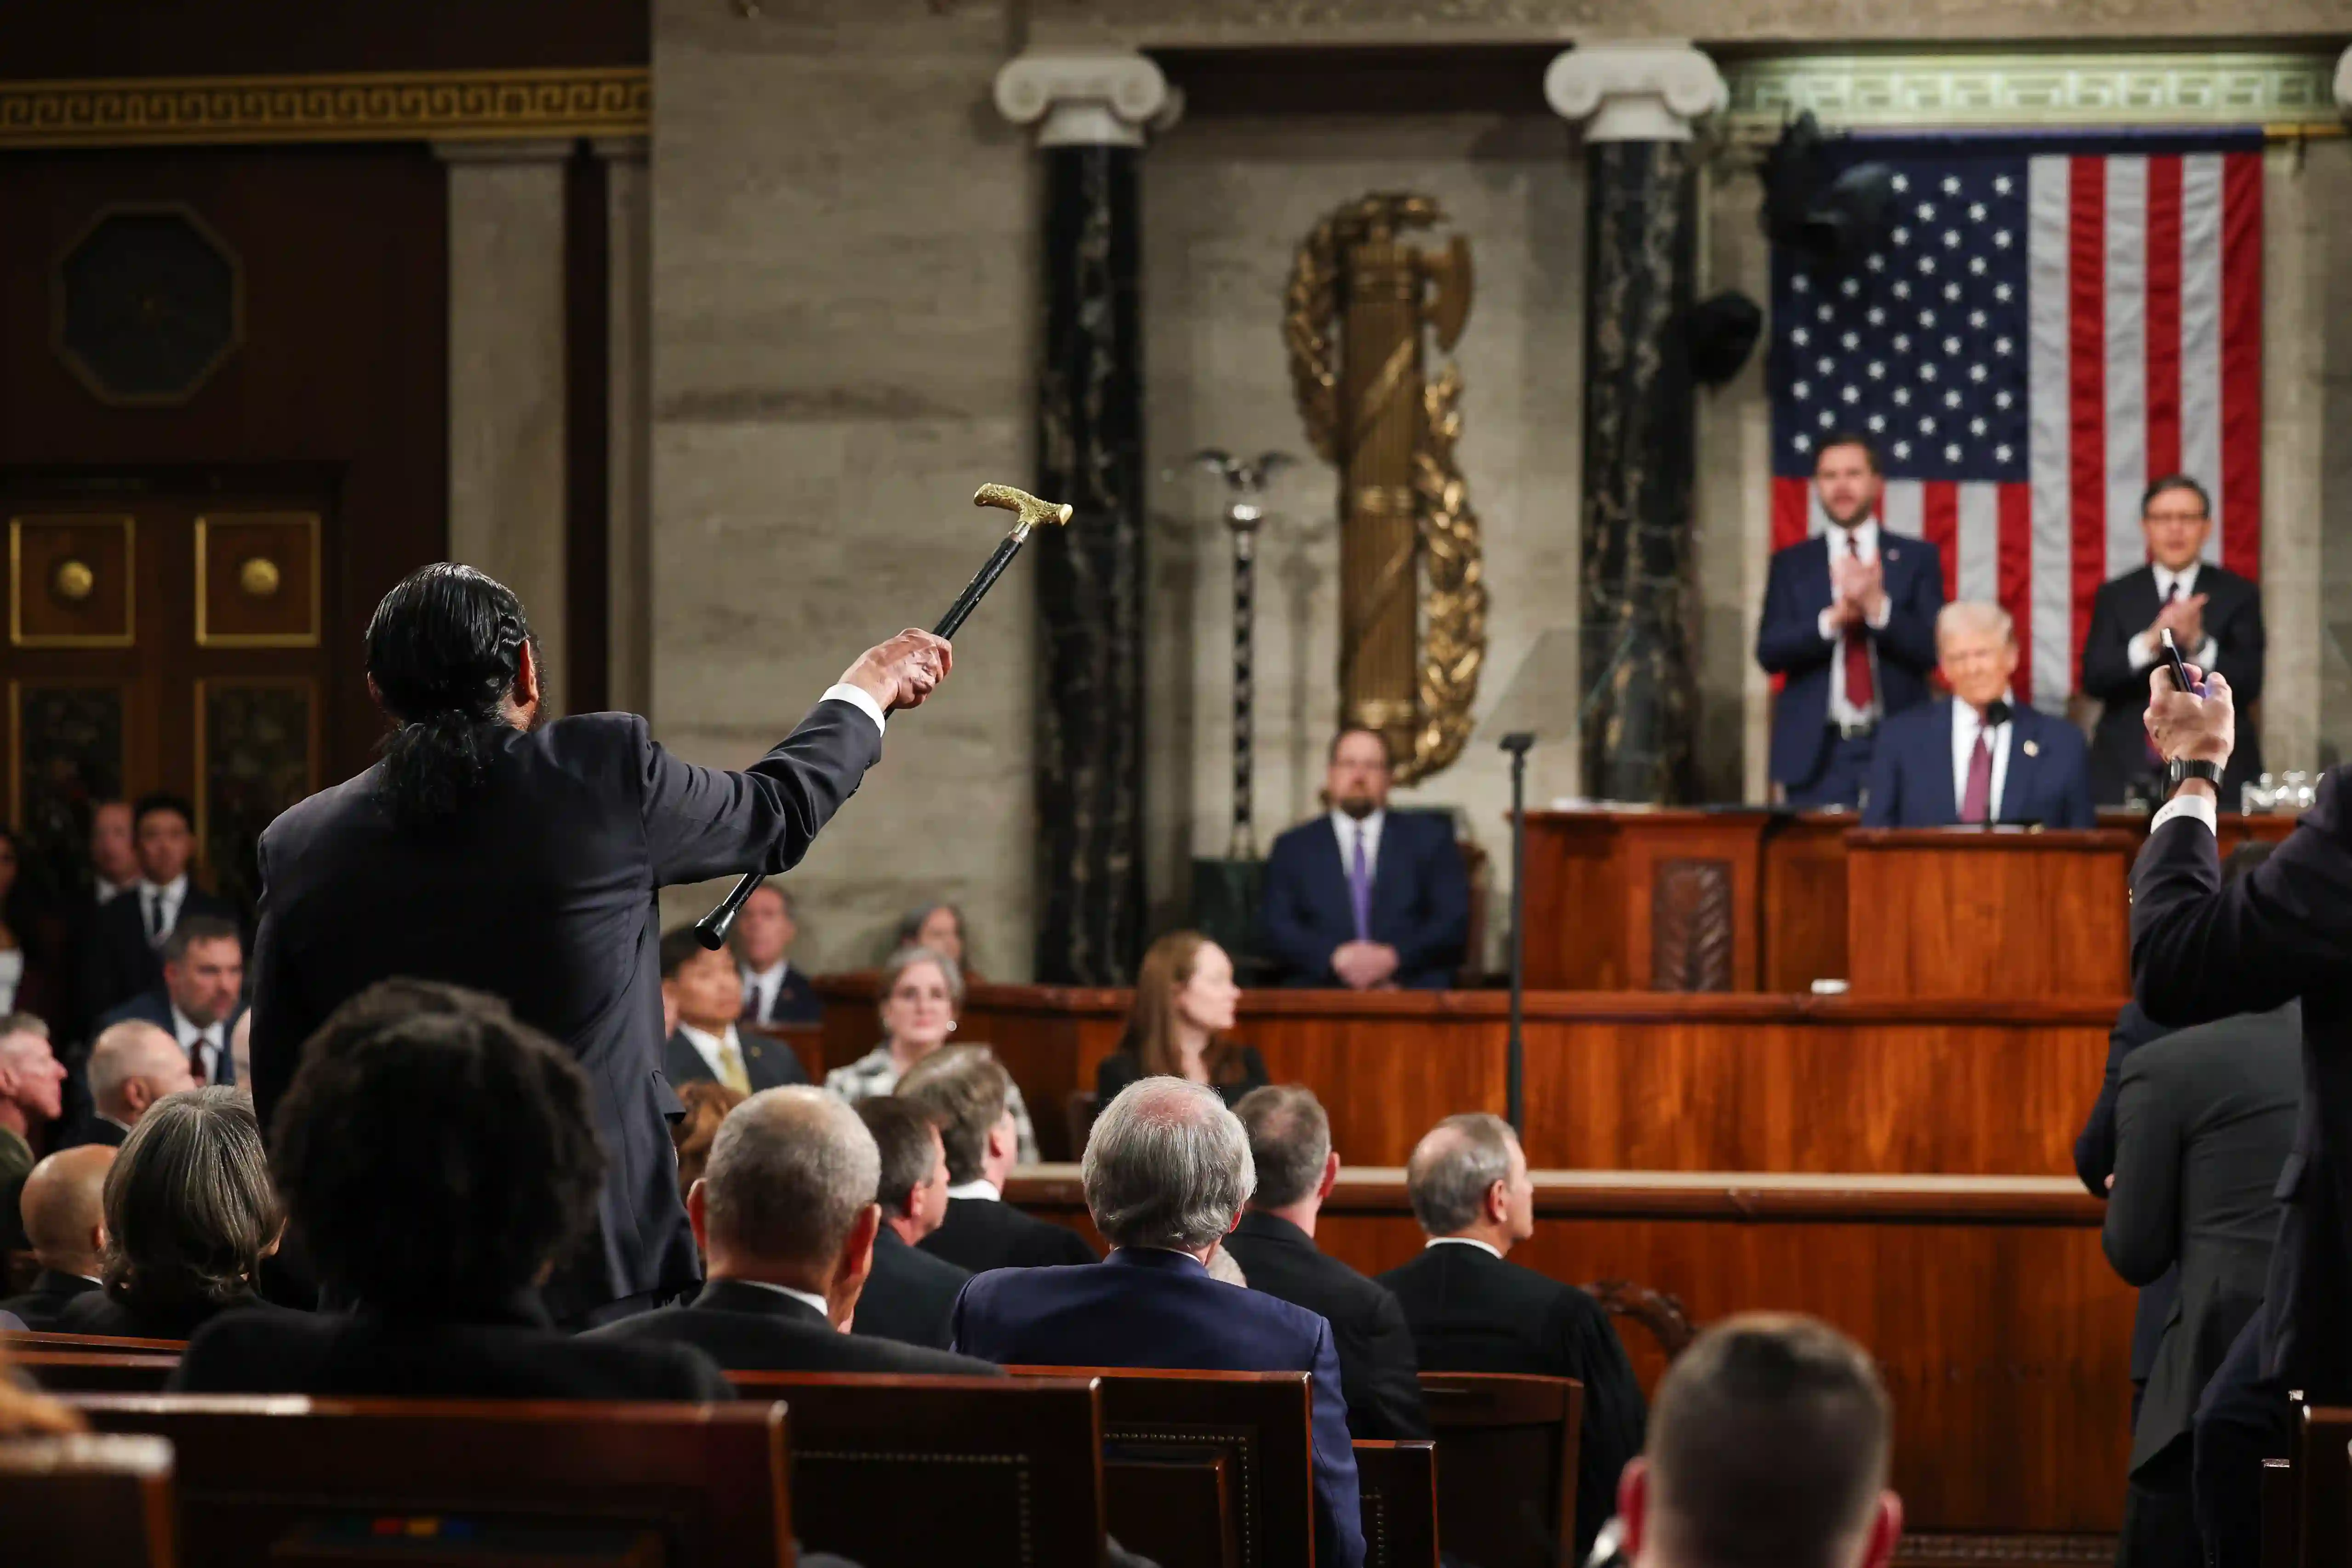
(1919, 723)
(1790, 554)
(146, 1007)
(307, 818)
(1295, 838)
(2051, 731)
(1115, 1073)
(1273, 1315)
(249, 1336)
(652, 1367)
(2231, 1041)
(861, 1352)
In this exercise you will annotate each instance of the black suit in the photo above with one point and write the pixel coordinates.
(794, 1001)
(119, 960)
(155, 1006)
(41, 1306)
(1377, 1371)
(94, 1129)
(98, 1312)
(1122, 1067)
(543, 892)
(750, 1328)
(909, 1295)
(2094, 1162)
(2122, 610)
(1472, 1311)
(981, 1234)
(505, 1351)
(768, 1063)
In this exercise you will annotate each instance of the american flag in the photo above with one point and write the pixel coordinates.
(2050, 323)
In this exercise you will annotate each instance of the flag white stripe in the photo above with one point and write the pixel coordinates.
(1979, 546)
(1905, 508)
(2126, 362)
(2200, 332)
(2048, 192)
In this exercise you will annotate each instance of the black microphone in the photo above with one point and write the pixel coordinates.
(1996, 713)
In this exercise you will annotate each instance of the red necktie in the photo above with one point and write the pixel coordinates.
(1860, 691)
(2155, 757)
(1976, 806)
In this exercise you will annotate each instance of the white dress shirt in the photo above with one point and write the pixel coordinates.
(203, 1045)
(806, 1298)
(759, 988)
(1967, 724)
(1488, 1247)
(976, 1188)
(709, 1047)
(106, 892)
(1865, 550)
(172, 894)
(2145, 649)
(1348, 828)
(857, 697)
(12, 978)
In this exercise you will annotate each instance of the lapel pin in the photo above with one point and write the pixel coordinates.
(2032, 748)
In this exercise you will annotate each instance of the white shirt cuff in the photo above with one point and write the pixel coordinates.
(857, 697)
(2145, 652)
(1885, 612)
(2196, 806)
(1828, 629)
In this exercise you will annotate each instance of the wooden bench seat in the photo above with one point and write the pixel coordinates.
(87, 1501)
(95, 1372)
(1506, 1448)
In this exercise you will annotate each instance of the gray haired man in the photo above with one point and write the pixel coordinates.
(1166, 1173)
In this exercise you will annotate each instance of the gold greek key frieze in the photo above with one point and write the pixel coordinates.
(2036, 90)
(387, 106)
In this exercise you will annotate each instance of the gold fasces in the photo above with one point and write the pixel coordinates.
(73, 579)
(1029, 510)
(258, 576)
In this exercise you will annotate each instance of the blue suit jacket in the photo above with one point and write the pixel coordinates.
(155, 1008)
(1788, 642)
(1150, 1309)
(1421, 901)
(1911, 772)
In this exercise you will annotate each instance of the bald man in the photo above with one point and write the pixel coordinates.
(132, 1064)
(64, 1211)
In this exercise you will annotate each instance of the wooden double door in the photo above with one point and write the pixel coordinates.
(170, 638)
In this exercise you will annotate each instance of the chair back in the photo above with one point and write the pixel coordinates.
(87, 1501)
(1507, 1449)
(1399, 1482)
(2323, 1474)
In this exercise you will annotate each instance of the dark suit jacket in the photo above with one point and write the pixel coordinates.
(2203, 1122)
(750, 1328)
(544, 893)
(117, 961)
(2094, 1162)
(155, 1006)
(2203, 951)
(769, 1064)
(795, 1000)
(909, 1294)
(1144, 1307)
(2121, 611)
(1121, 1068)
(1472, 1311)
(979, 1235)
(94, 1129)
(506, 1352)
(1911, 772)
(97, 1312)
(1420, 903)
(1377, 1370)
(45, 1304)
(1788, 642)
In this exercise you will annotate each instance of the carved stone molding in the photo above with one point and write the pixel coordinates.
(1087, 98)
(2276, 88)
(390, 106)
(1634, 92)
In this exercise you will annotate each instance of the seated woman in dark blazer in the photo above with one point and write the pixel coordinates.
(189, 1217)
(1184, 1001)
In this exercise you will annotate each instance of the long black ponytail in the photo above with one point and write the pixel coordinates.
(444, 650)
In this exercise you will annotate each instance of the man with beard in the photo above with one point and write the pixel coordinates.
(1362, 896)
(1849, 626)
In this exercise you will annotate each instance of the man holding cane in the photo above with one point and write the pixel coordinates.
(2203, 950)
(494, 849)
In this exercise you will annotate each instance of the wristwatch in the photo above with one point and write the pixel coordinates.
(2180, 771)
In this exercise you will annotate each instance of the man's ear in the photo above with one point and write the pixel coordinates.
(1634, 1505)
(97, 1239)
(1331, 1176)
(1886, 1530)
(138, 1094)
(856, 1263)
(526, 684)
(697, 1212)
(1499, 1203)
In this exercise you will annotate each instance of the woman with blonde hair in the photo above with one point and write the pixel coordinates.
(1184, 1002)
(922, 992)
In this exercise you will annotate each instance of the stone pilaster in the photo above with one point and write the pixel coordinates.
(629, 422)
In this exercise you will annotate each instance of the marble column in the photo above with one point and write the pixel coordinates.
(1091, 111)
(628, 211)
(1639, 612)
(507, 373)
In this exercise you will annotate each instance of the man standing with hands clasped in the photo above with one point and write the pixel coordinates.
(2201, 950)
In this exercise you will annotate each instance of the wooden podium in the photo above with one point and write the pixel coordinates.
(1954, 914)
(1644, 901)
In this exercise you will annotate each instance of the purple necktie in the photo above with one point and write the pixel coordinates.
(1976, 806)
(1360, 889)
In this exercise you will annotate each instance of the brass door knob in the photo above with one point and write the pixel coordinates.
(258, 576)
(73, 581)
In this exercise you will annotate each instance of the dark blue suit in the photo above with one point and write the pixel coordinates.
(1789, 643)
(2048, 780)
(1151, 1309)
(155, 1008)
(1420, 903)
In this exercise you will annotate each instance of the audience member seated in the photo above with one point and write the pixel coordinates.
(132, 1065)
(189, 1217)
(773, 991)
(1364, 898)
(965, 1093)
(708, 994)
(437, 1157)
(786, 1217)
(32, 1096)
(113, 856)
(1978, 756)
(940, 927)
(64, 1210)
(910, 1293)
(706, 1103)
(1472, 1309)
(922, 992)
(1770, 1445)
(1166, 1172)
(1290, 1143)
(1184, 1001)
(201, 996)
(28, 982)
(121, 950)
(2204, 1121)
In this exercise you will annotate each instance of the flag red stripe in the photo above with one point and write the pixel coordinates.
(2086, 299)
(1939, 522)
(2241, 363)
(2163, 315)
(2016, 583)
(1790, 499)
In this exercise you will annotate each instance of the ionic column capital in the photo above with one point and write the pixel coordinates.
(1635, 92)
(1087, 98)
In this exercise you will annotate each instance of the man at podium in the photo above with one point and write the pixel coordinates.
(1975, 756)
(1849, 623)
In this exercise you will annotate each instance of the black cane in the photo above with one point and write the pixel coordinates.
(1029, 511)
